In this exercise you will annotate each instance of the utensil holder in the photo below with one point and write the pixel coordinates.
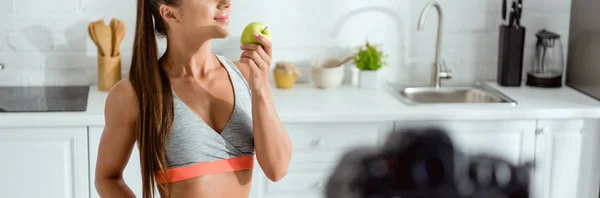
(510, 55)
(109, 71)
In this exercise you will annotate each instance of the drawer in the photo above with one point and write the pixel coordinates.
(298, 183)
(325, 156)
(303, 180)
(332, 136)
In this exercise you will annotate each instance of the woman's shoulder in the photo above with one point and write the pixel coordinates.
(123, 90)
(122, 99)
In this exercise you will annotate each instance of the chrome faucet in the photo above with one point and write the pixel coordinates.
(440, 71)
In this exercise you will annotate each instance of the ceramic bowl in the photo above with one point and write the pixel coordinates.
(325, 75)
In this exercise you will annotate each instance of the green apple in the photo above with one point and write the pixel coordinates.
(255, 28)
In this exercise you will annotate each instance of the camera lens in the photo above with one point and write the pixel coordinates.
(483, 173)
(502, 172)
(428, 172)
(378, 168)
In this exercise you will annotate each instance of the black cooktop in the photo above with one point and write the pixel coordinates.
(43, 98)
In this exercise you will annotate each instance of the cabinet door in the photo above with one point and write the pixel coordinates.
(512, 140)
(317, 148)
(327, 142)
(558, 158)
(132, 173)
(257, 181)
(44, 162)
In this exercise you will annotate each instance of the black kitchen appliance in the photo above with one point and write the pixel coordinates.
(548, 69)
(43, 98)
(583, 65)
(583, 60)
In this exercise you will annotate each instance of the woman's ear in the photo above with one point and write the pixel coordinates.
(169, 14)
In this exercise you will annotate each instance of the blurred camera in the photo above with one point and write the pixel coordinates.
(423, 162)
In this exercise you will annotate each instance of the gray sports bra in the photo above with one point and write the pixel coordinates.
(195, 149)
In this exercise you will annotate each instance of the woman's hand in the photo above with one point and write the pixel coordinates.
(258, 58)
(272, 144)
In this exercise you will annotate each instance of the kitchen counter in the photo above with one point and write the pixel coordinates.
(557, 128)
(306, 104)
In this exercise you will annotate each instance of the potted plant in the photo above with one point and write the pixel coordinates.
(369, 60)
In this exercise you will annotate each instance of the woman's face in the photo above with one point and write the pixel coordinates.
(202, 18)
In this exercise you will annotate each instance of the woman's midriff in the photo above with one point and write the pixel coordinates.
(230, 184)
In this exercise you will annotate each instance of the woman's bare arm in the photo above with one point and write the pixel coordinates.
(271, 141)
(118, 139)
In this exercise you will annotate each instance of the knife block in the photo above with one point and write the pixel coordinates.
(510, 56)
(109, 71)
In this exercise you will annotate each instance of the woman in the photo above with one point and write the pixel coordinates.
(198, 118)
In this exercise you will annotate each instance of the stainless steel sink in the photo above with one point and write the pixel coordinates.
(470, 94)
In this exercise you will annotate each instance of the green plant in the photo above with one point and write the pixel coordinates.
(369, 57)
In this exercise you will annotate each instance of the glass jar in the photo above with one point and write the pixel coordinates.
(285, 74)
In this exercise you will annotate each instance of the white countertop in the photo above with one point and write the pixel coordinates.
(304, 103)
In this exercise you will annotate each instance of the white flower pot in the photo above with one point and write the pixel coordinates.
(368, 79)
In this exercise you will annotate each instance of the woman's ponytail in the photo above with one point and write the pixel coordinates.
(154, 95)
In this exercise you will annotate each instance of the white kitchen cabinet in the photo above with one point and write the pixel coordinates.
(132, 173)
(317, 148)
(257, 182)
(44, 162)
(558, 155)
(513, 140)
(554, 145)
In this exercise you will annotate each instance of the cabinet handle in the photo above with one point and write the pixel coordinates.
(540, 131)
(318, 185)
(319, 142)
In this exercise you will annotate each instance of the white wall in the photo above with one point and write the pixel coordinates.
(46, 41)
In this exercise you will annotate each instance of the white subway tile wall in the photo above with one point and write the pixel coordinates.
(46, 42)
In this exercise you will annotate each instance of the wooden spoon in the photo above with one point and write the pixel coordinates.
(104, 35)
(92, 34)
(345, 61)
(93, 26)
(114, 29)
(118, 31)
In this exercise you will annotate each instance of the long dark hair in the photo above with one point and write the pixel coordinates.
(153, 91)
